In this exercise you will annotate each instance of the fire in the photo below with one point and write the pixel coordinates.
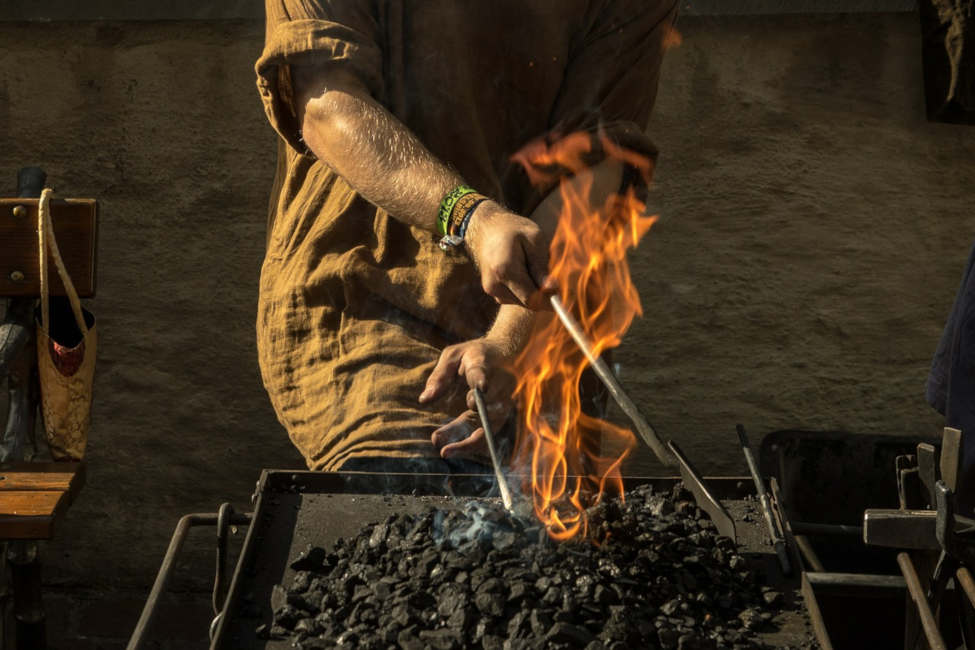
(558, 445)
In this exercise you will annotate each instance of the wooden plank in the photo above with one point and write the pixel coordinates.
(11, 481)
(26, 527)
(68, 477)
(30, 503)
(33, 496)
(75, 226)
(77, 482)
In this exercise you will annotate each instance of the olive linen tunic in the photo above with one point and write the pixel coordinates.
(355, 306)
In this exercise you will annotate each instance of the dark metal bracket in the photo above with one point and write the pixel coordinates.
(224, 520)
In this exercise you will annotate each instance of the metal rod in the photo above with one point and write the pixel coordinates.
(809, 554)
(811, 528)
(964, 577)
(775, 535)
(489, 436)
(705, 500)
(815, 614)
(860, 581)
(930, 625)
(166, 569)
(613, 386)
(963, 598)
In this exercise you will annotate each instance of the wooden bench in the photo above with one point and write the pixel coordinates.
(33, 496)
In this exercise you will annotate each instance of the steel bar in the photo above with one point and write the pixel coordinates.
(809, 554)
(966, 601)
(612, 385)
(914, 588)
(966, 622)
(845, 581)
(224, 516)
(964, 577)
(815, 614)
(775, 535)
(705, 500)
(492, 449)
(812, 528)
(166, 569)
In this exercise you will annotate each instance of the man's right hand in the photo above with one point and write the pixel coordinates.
(511, 252)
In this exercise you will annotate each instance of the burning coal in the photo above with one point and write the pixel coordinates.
(559, 446)
(478, 577)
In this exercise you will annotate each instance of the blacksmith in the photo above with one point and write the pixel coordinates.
(398, 122)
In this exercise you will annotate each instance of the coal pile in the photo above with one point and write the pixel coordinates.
(482, 578)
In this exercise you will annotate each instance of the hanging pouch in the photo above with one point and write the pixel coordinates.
(66, 342)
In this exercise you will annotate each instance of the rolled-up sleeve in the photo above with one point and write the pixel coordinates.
(308, 32)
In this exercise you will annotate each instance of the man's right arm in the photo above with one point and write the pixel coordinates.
(388, 165)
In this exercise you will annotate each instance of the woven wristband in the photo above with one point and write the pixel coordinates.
(447, 206)
(462, 228)
(462, 210)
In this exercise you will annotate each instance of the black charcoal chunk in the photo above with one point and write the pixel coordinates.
(574, 635)
(311, 559)
(479, 577)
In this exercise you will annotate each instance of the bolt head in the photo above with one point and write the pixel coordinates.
(20, 211)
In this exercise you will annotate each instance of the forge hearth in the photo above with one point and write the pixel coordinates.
(479, 577)
(399, 579)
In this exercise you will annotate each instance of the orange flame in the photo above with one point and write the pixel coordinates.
(556, 440)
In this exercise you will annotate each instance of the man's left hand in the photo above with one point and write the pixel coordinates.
(482, 363)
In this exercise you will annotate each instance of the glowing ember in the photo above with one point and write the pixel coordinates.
(673, 38)
(559, 445)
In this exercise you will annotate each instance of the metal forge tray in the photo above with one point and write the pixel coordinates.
(295, 509)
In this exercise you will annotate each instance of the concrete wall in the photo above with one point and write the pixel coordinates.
(161, 123)
(814, 230)
(47, 10)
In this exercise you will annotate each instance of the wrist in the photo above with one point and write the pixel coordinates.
(475, 225)
(511, 329)
(453, 217)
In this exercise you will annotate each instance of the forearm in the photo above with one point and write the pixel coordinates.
(372, 150)
(511, 329)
